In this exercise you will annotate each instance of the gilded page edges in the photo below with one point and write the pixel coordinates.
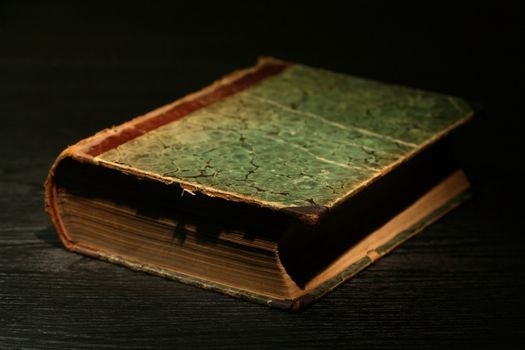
(294, 305)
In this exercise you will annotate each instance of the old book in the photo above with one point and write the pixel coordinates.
(274, 184)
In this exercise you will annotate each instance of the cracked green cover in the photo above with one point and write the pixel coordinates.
(302, 137)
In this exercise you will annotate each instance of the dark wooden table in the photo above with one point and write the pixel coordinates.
(66, 72)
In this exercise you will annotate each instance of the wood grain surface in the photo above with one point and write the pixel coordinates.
(73, 71)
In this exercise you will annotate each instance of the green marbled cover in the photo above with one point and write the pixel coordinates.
(303, 137)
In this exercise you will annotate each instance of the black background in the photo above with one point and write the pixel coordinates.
(69, 69)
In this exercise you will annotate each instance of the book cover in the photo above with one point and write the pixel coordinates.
(284, 137)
